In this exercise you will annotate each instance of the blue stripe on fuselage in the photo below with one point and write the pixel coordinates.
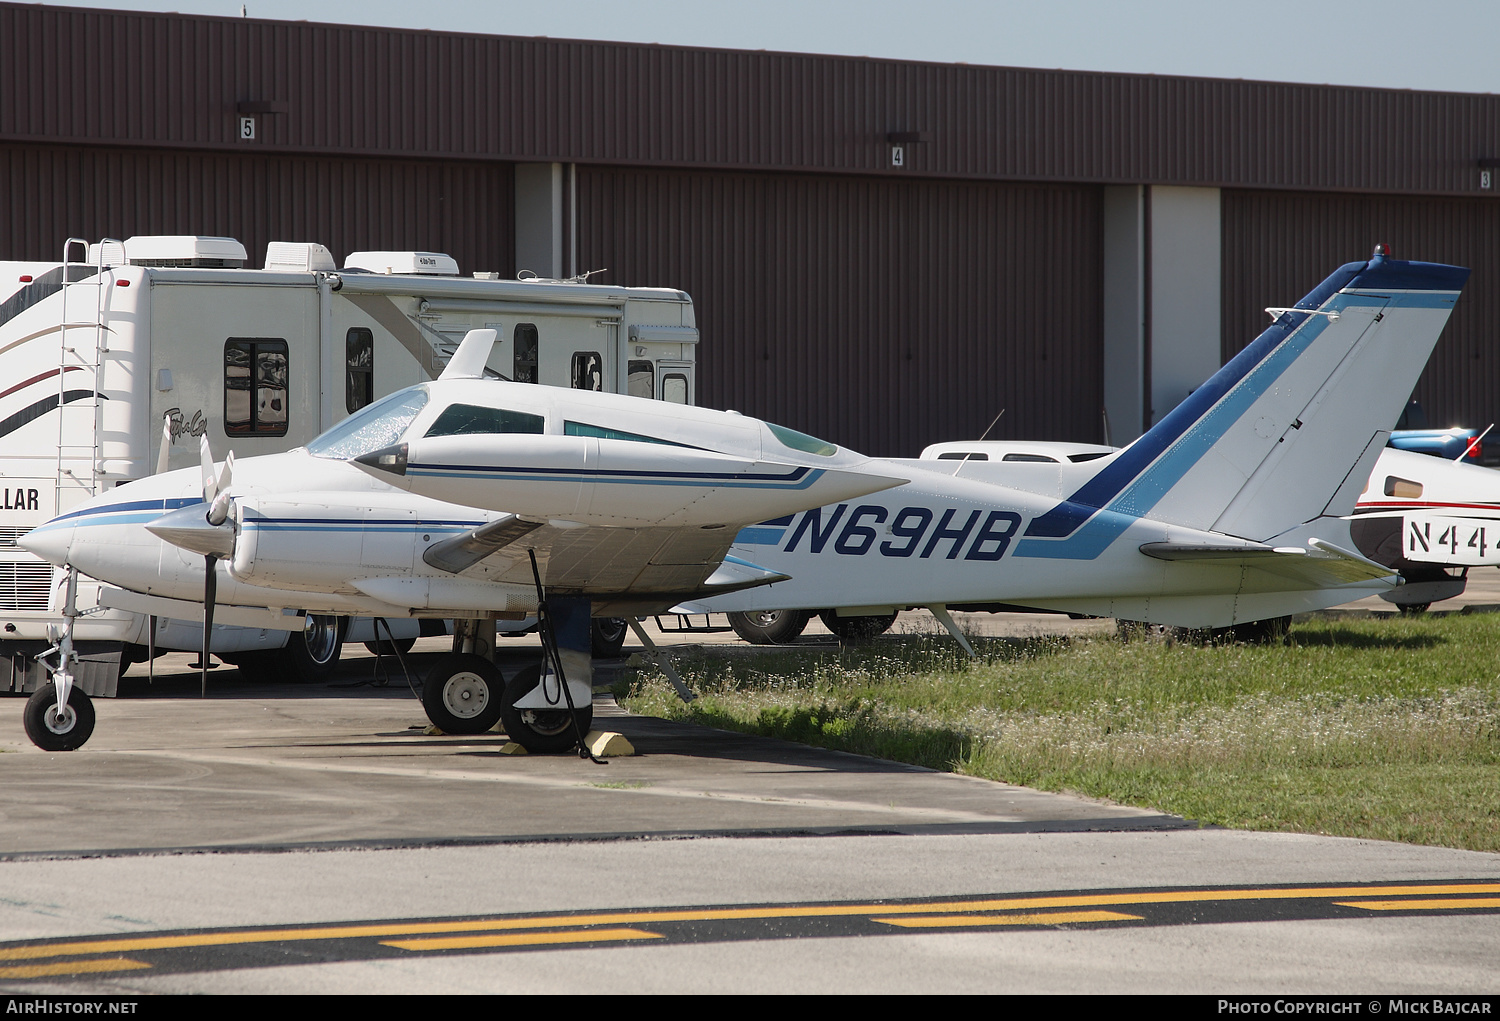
(796, 479)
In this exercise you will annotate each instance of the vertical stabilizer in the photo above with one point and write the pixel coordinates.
(1273, 438)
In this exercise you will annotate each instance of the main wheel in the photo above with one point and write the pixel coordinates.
(769, 627)
(58, 732)
(462, 694)
(313, 653)
(857, 629)
(609, 636)
(541, 730)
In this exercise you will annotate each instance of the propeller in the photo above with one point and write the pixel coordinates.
(165, 454)
(216, 495)
(203, 531)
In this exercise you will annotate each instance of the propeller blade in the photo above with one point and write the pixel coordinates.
(165, 454)
(206, 458)
(218, 510)
(210, 590)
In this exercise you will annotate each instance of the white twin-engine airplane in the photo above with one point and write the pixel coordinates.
(444, 498)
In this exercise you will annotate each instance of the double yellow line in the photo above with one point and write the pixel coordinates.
(110, 954)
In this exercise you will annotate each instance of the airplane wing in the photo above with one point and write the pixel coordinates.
(1318, 565)
(619, 566)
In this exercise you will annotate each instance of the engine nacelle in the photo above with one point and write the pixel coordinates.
(316, 545)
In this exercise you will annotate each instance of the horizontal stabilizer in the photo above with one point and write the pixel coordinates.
(1319, 565)
(735, 574)
(462, 552)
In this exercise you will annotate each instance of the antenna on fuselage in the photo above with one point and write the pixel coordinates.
(970, 456)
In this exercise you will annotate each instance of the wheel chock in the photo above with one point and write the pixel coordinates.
(511, 748)
(607, 744)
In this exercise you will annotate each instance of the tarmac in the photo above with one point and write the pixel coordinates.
(234, 823)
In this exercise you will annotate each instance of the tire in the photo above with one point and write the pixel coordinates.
(541, 730)
(770, 627)
(43, 726)
(462, 694)
(385, 647)
(852, 630)
(1412, 609)
(312, 654)
(608, 636)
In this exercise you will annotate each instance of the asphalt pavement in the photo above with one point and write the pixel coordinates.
(289, 838)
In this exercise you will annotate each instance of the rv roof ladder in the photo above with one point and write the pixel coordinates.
(82, 346)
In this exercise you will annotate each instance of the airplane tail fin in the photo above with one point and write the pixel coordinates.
(1286, 431)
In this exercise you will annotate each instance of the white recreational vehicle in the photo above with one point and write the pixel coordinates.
(125, 348)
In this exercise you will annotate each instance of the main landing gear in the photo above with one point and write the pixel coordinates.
(545, 708)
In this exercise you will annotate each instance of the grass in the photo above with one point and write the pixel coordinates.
(1380, 728)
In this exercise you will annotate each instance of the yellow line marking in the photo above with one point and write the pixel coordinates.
(519, 939)
(1045, 918)
(1422, 905)
(71, 968)
(134, 944)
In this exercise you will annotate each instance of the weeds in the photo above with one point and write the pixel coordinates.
(1380, 728)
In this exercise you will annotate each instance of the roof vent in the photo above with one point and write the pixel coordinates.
(185, 250)
(424, 263)
(113, 253)
(299, 257)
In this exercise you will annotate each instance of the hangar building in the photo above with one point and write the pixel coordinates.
(883, 253)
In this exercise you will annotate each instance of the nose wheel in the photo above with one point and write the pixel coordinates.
(54, 729)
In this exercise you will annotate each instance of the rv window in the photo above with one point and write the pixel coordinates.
(588, 370)
(470, 419)
(359, 369)
(525, 349)
(379, 425)
(674, 388)
(581, 429)
(255, 387)
(642, 378)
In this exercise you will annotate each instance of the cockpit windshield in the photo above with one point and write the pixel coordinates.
(379, 425)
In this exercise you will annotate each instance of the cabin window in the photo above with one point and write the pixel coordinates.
(359, 369)
(1029, 457)
(801, 441)
(642, 378)
(1404, 489)
(674, 388)
(599, 431)
(255, 386)
(471, 420)
(959, 455)
(525, 348)
(588, 370)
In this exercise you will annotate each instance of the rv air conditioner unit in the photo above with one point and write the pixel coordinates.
(299, 257)
(185, 251)
(424, 263)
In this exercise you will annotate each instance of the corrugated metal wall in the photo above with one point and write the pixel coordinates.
(1278, 246)
(463, 208)
(884, 315)
(171, 80)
